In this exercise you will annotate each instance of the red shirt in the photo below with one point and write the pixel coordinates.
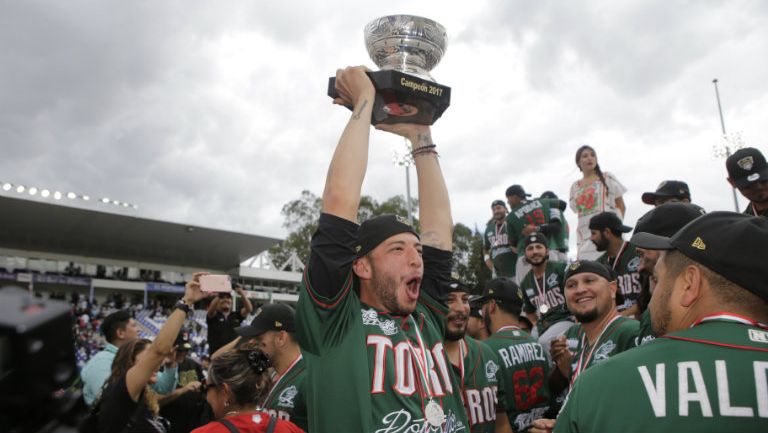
(249, 422)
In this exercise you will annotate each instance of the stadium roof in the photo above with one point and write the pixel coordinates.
(52, 228)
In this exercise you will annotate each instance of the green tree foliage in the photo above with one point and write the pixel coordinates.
(301, 216)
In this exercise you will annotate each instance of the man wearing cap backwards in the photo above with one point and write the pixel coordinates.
(748, 171)
(540, 215)
(370, 318)
(668, 191)
(600, 332)
(475, 323)
(620, 256)
(497, 253)
(709, 370)
(663, 220)
(184, 408)
(273, 331)
(542, 289)
(475, 364)
(523, 361)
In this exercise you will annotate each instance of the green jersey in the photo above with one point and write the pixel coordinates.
(524, 372)
(545, 295)
(533, 212)
(370, 370)
(287, 397)
(559, 241)
(617, 337)
(645, 331)
(480, 385)
(496, 242)
(625, 265)
(712, 377)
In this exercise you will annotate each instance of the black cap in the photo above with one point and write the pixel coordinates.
(454, 285)
(668, 189)
(746, 166)
(728, 243)
(588, 266)
(182, 343)
(608, 220)
(502, 289)
(667, 219)
(516, 190)
(270, 317)
(376, 230)
(498, 203)
(536, 238)
(475, 306)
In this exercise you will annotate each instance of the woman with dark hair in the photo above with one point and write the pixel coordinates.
(128, 404)
(595, 192)
(237, 381)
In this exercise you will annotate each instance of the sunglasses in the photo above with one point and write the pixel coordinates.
(205, 386)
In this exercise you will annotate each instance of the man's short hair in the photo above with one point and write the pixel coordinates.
(113, 322)
(726, 291)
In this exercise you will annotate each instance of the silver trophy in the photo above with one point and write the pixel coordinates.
(406, 48)
(406, 43)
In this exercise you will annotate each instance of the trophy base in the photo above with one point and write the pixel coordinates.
(404, 98)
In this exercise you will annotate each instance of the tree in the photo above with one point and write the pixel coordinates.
(301, 216)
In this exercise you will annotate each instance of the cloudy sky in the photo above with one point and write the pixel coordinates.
(215, 113)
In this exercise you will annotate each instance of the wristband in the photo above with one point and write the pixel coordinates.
(181, 305)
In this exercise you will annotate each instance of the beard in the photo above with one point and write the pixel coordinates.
(601, 244)
(536, 261)
(385, 289)
(586, 317)
(661, 316)
(455, 334)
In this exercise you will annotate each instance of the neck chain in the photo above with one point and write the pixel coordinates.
(623, 248)
(584, 362)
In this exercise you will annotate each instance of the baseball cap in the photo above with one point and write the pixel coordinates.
(588, 266)
(502, 289)
(376, 230)
(498, 203)
(608, 220)
(270, 317)
(475, 305)
(516, 190)
(746, 166)
(728, 243)
(668, 189)
(454, 285)
(536, 238)
(182, 343)
(667, 219)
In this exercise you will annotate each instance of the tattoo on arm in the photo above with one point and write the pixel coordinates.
(362, 107)
(423, 140)
(433, 240)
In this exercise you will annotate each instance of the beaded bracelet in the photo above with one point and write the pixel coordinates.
(424, 150)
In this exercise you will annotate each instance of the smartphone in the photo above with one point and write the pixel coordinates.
(216, 283)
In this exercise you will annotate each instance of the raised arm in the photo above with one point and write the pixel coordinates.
(152, 358)
(344, 181)
(434, 204)
(247, 306)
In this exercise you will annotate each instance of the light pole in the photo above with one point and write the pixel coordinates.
(725, 137)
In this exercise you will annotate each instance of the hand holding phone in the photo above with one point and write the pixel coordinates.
(216, 283)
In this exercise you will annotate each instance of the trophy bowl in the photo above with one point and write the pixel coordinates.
(406, 43)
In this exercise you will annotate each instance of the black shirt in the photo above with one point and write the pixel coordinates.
(190, 410)
(221, 329)
(117, 409)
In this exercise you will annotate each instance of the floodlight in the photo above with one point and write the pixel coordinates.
(20, 189)
(7, 186)
(105, 200)
(45, 193)
(57, 195)
(32, 191)
(86, 197)
(71, 195)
